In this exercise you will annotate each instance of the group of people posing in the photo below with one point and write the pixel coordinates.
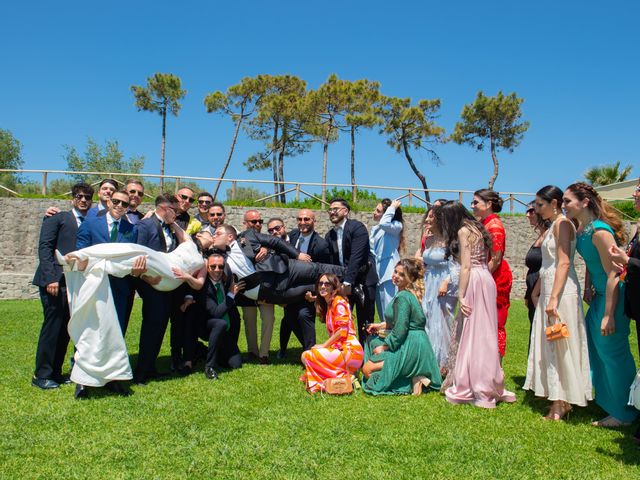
(442, 313)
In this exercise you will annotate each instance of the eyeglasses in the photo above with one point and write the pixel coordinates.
(277, 228)
(139, 193)
(82, 196)
(204, 202)
(256, 222)
(334, 209)
(304, 219)
(216, 267)
(216, 214)
(117, 202)
(187, 198)
(325, 284)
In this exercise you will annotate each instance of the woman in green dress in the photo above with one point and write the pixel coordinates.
(612, 366)
(398, 356)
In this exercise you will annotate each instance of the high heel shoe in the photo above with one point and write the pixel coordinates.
(558, 411)
(610, 422)
(418, 383)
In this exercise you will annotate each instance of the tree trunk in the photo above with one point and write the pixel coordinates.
(325, 149)
(274, 162)
(494, 157)
(420, 176)
(164, 135)
(233, 145)
(354, 189)
(283, 196)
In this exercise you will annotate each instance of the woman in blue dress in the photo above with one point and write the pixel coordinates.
(612, 366)
(441, 278)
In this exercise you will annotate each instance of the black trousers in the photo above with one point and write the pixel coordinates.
(54, 337)
(155, 316)
(365, 313)
(291, 286)
(299, 318)
(177, 330)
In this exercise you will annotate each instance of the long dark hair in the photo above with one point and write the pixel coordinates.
(451, 217)
(541, 224)
(600, 209)
(386, 203)
(321, 303)
(491, 197)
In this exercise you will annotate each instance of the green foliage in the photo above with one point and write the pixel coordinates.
(244, 194)
(495, 120)
(100, 158)
(607, 174)
(626, 207)
(10, 151)
(258, 422)
(161, 95)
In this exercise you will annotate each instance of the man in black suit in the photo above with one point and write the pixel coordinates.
(156, 233)
(219, 318)
(58, 232)
(276, 281)
(349, 246)
(299, 317)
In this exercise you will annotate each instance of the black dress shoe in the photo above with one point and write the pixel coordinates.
(118, 388)
(62, 379)
(210, 373)
(358, 293)
(139, 380)
(82, 392)
(44, 383)
(185, 370)
(281, 355)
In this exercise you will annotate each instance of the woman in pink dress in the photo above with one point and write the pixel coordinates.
(477, 376)
(341, 354)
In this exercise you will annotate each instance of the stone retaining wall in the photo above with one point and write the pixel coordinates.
(22, 219)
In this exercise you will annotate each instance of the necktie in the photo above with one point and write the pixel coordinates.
(220, 299)
(113, 237)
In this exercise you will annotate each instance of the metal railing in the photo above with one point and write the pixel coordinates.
(412, 194)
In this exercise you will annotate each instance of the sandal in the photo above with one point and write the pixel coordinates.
(419, 382)
(610, 422)
(558, 411)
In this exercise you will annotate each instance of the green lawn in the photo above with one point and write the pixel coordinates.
(258, 422)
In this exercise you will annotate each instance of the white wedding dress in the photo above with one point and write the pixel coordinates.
(101, 354)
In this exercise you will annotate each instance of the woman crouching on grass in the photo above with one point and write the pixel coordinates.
(341, 354)
(399, 359)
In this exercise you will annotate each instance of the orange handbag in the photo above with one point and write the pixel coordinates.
(557, 331)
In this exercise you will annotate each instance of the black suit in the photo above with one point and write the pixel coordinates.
(359, 263)
(155, 305)
(208, 317)
(280, 281)
(57, 233)
(632, 287)
(299, 317)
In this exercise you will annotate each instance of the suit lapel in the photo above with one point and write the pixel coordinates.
(163, 241)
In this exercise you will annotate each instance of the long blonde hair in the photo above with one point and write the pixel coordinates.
(414, 271)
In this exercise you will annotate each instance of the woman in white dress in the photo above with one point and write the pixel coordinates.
(386, 241)
(101, 354)
(558, 369)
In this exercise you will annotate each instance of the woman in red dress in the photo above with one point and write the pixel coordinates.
(486, 204)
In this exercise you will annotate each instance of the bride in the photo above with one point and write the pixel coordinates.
(101, 353)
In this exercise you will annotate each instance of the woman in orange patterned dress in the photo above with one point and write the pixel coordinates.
(341, 354)
(486, 203)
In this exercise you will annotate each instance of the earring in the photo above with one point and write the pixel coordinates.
(555, 211)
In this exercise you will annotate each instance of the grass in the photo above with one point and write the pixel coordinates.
(258, 422)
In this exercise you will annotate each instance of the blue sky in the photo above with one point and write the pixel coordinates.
(68, 67)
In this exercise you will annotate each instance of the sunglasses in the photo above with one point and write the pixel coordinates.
(475, 202)
(117, 202)
(530, 210)
(187, 198)
(325, 284)
(256, 222)
(204, 202)
(82, 196)
(215, 214)
(277, 228)
(139, 193)
(216, 267)
(304, 219)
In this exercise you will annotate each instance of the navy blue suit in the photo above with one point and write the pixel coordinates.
(94, 231)
(57, 233)
(155, 305)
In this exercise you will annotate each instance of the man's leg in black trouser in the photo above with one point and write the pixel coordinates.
(54, 337)
(216, 327)
(177, 329)
(303, 273)
(307, 322)
(365, 313)
(286, 326)
(191, 319)
(155, 315)
(228, 351)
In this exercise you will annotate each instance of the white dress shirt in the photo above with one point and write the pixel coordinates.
(79, 217)
(339, 228)
(168, 238)
(242, 267)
